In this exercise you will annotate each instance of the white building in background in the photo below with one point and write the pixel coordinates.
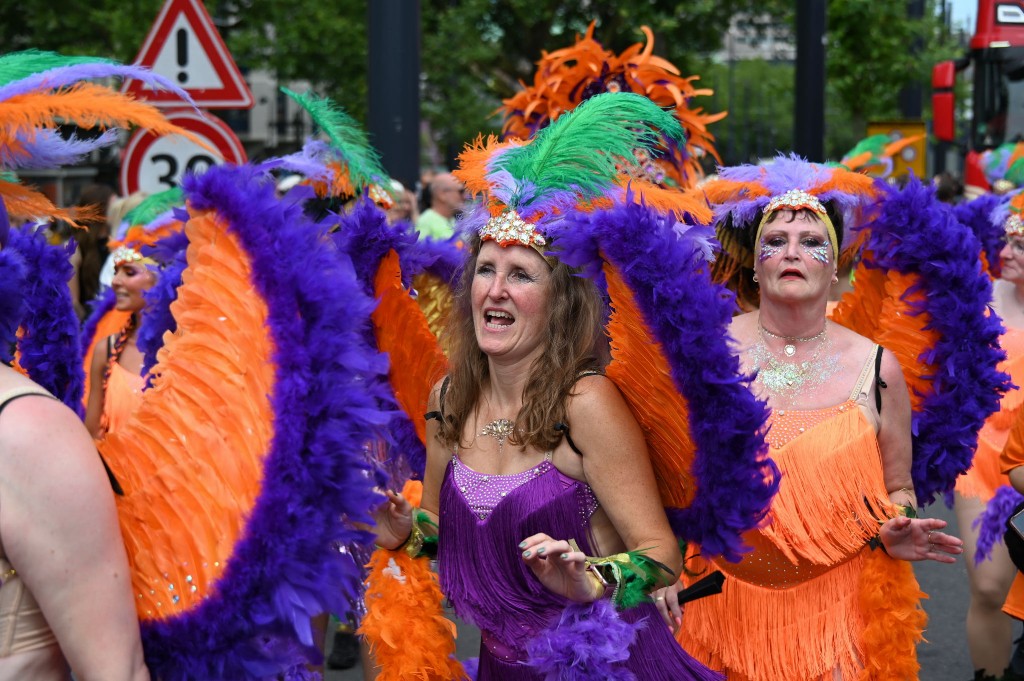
(756, 38)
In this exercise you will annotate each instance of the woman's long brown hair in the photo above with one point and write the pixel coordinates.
(575, 338)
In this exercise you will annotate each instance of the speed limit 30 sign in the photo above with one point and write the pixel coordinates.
(153, 164)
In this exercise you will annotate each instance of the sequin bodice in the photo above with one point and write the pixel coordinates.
(787, 424)
(483, 492)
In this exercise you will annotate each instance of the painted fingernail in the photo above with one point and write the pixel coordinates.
(526, 554)
(540, 550)
(522, 544)
(564, 556)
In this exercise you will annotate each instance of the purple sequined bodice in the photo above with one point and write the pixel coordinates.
(481, 522)
(483, 492)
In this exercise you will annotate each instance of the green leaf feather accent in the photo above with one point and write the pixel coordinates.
(155, 205)
(347, 138)
(18, 65)
(580, 149)
(634, 575)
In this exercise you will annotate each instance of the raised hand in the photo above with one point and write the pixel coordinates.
(393, 521)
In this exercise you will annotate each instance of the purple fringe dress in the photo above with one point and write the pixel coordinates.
(482, 574)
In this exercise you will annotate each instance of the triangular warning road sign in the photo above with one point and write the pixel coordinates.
(185, 47)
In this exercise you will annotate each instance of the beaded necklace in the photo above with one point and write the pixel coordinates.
(785, 379)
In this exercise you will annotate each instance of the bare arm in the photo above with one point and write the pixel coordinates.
(60, 531)
(618, 468)
(97, 370)
(894, 433)
(394, 517)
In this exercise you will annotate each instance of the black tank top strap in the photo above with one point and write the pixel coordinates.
(25, 391)
(879, 383)
(438, 414)
(563, 428)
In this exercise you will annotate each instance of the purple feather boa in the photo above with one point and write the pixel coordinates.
(916, 233)
(979, 216)
(689, 317)
(286, 569)
(589, 642)
(49, 349)
(103, 304)
(366, 237)
(12, 300)
(991, 524)
(157, 318)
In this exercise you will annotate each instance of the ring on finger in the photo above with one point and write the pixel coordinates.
(659, 598)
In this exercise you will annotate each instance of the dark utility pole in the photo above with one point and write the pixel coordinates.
(809, 119)
(912, 94)
(394, 107)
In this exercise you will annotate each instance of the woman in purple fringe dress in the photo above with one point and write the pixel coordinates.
(521, 498)
(551, 533)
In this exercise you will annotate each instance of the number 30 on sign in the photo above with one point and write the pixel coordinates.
(153, 164)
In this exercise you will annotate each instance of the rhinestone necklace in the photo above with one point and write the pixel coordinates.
(500, 430)
(790, 348)
(785, 378)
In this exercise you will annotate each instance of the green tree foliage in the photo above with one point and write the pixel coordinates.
(474, 53)
(874, 51)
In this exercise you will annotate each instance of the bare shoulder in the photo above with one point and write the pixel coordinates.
(596, 403)
(41, 424)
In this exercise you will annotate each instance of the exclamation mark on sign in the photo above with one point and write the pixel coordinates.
(182, 37)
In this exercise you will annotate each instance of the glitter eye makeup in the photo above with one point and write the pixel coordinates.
(819, 252)
(769, 250)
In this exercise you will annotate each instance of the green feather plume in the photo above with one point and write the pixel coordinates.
(18, 65)
(347, 138)
(580, 149)
(155, 205)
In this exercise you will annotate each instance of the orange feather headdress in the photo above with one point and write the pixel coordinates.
(566, 77)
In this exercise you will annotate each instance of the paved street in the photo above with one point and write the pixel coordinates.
(943, 658)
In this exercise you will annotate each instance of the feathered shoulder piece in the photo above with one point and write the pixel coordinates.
(987, 216)
(569, 76)
(921, 293)
(573, 164)
(347, 165)
(40, 91)
(873, 155)
(1004, 166)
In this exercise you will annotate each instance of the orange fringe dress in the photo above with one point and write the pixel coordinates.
(985, 474)
(1012, 456)
(122, 397)
(812, 597)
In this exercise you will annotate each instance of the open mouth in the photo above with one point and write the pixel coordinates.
(498, 319)
(792, 274)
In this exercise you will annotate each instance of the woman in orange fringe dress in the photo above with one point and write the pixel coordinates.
(115, 375)
(989, 629)
(1008, 425)
(825, 593)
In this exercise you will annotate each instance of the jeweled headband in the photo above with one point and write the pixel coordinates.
(126, 256)
(798, 199)
(510, 229)
(1014, 226)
